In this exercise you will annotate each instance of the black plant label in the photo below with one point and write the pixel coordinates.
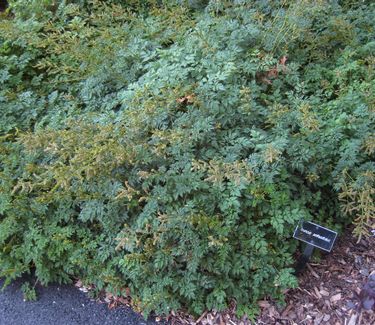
(315, 235)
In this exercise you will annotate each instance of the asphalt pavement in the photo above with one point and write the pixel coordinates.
(61, 305)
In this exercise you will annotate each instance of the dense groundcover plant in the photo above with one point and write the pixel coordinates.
(170, 147)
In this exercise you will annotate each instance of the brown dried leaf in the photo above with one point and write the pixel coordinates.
(263, 304)
(317, 293)
(189, 99)
(312, 271)
(324, 293)
(336, 298)
(283, 59)
(201, 317)
(286, 310)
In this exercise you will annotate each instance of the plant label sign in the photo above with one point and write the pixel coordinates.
(315, 235)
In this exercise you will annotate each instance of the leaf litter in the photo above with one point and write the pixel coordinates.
(336, 290)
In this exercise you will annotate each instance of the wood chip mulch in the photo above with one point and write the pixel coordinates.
(329, 293)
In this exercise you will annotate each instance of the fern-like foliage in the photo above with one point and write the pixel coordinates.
(171, 146)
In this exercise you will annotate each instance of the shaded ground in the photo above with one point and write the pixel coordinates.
(327, 292)
(329, 289)
(60, 305)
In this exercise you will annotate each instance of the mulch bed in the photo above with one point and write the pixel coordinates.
(328, 292)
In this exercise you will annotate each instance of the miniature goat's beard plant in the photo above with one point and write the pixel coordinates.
(172, 150)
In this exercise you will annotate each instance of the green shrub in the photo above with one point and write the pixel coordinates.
(29, 293)
(171, 147)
